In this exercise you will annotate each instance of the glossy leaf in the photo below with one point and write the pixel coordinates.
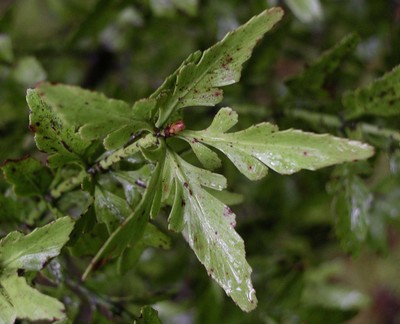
(132, 229)
(254, 149)
(110, 208)
(19, 300)
(208, 226)
(197, 82)
(207, 157)
(380, 98)
(52, 135)
(311, 81)
(32, 251)
(96, 116)
(28, 176)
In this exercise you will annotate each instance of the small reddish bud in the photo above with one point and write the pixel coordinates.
(174, 128)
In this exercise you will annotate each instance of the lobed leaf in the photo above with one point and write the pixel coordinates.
(94, 115)
(198, 80)
(254, 149)
(32, 251)
(380, 98)
(28, 176)
(19, 300)
(52, 135)
(208, 226)
(132, 229)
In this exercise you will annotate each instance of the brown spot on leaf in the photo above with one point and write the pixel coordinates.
(32, 128)
(227, 211)
(217, 93)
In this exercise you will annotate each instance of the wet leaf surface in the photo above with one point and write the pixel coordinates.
(208, 226)
(30, 252)
(198, 80)
(260, 146)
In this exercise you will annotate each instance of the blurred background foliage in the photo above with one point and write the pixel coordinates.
(324, 246)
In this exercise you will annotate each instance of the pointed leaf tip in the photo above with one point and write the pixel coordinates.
(262, 146)
(208, 226)
(198, 80)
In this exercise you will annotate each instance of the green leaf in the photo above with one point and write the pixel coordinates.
(380, 98)
(208, 158)
(19, 210)
(148, 315)
(152, 237)
(227, 197)
(110, 208)
(32, 251)
(311, 81)
(131, 231)
(352, 206)
(197, 82)
(52, 136)
(209, 227)
(95, 115)
(285, 152)
(19, 300)
(133, 182)
(28, 176)
(9, 210)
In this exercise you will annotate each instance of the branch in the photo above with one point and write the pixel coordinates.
(104, 164)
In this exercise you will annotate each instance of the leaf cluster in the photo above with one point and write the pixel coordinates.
(122, 179)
